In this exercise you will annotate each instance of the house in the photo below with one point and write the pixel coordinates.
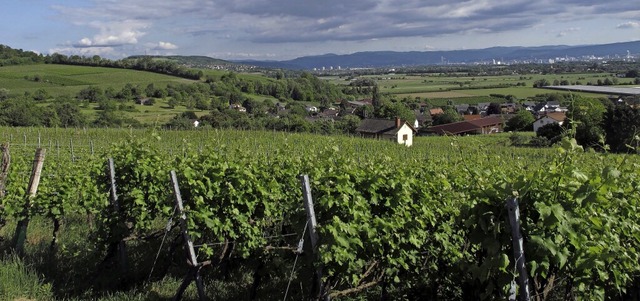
(422, 119)
(471, 117)
(547, 119)
(395, 130)
(356, 103)
(529, 105)
(328, 114)
(146, 101)
(508, 108)
(462, 108)
(435, 111)
(311, 109)
(486, 125)
(238, 107)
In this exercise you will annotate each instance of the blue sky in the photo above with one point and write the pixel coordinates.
(285, 29)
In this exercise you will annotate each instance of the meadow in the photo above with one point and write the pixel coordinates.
(462, 88)
(60, 80)
(68, 80)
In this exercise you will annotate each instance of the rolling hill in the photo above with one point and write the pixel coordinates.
(68, 80)
(376, 59)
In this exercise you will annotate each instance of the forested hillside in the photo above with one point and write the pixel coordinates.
(10, 56)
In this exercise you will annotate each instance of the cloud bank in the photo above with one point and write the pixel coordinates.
(117, 23)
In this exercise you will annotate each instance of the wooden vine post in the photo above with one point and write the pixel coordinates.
(5, 161)
(518, 248)
(20, 235)
(194, 266)
(113, 197)
(312, 224)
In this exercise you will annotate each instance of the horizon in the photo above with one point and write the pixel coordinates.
(279, 30)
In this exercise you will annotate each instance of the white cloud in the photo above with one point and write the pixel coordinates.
(237, 26)
(628, 25)
(165, 46)
(567, 31)
(111, 34)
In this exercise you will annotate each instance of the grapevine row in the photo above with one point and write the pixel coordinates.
(430, 228)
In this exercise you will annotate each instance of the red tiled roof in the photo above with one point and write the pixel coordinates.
(453, 128)
(487, 121)
(465, 126)
(471, 117)
(436, 111)
(558, 116)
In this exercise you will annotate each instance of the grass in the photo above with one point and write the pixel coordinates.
(441, 86)
(60, 80)
(157, 114)
(76, 270)
(20, 282)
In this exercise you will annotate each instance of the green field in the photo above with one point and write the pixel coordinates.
(463, 88)
(68, 80)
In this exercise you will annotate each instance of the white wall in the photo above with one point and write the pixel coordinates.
(405, 130)
(542, 122)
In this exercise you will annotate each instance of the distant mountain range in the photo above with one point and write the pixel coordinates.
(378, 59)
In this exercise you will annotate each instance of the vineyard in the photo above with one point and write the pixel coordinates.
(428, 222)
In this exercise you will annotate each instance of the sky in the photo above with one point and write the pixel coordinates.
(286, 29)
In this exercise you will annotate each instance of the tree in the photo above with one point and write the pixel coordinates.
(541, 83)
(375, 96)
(40, 95)
(91, 94)
(632, 73)
(393, 110)
(364, 111)
(622, 127)
(4, 94)
(349, 124)
(585, 115)
(523, 121)
(69, 114)
(111, 118)
(172, 103)
(450, 115)
(20, 112)
(182, 121)
(494, 108)
(552, 132)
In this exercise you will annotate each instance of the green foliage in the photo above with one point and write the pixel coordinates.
(19, 282)
(390, 110)
(585, 115)
(141, 176)
(450, 115)
(9, 56)
(523, 121)
(622, 127)
(426, 223)
(552, 132)
(519, 139)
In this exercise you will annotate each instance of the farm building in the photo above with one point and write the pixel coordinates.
(547, 119)
(487, 125)
(395, 130)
